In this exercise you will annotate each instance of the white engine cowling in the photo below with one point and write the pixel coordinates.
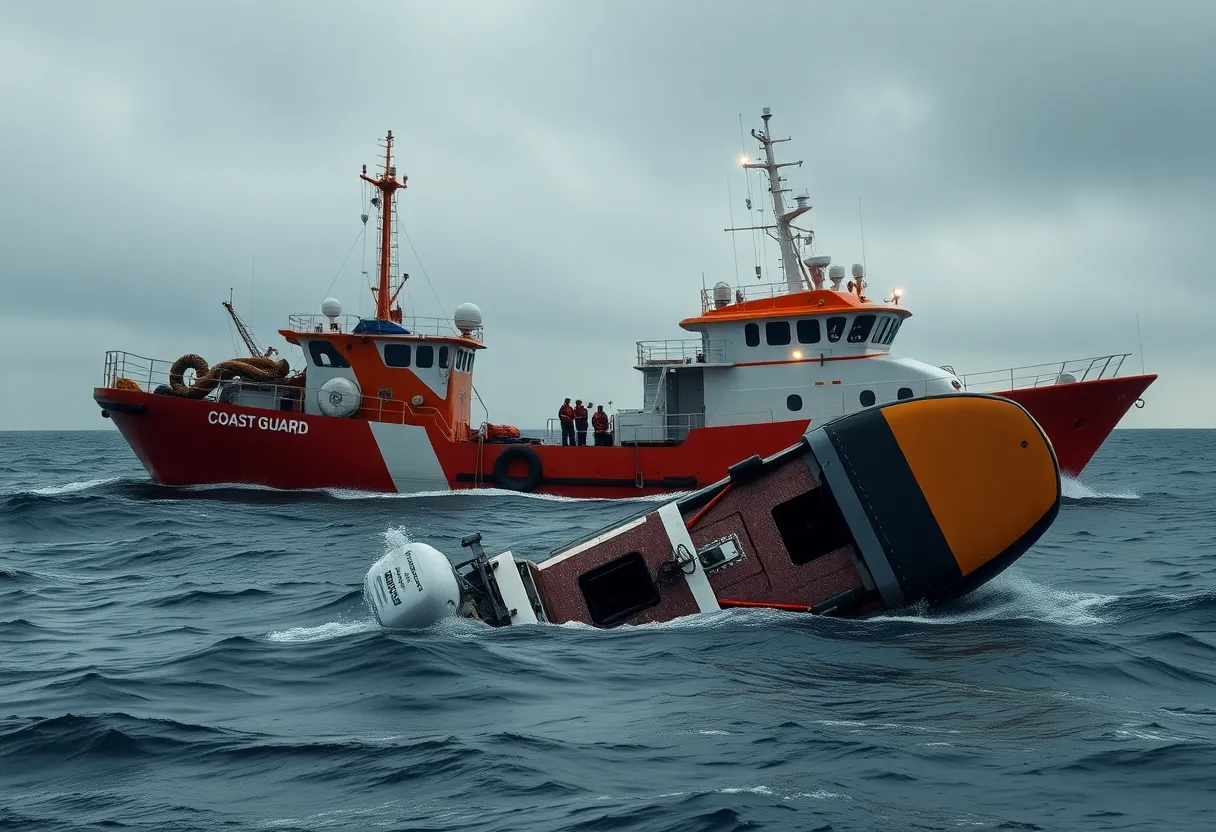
(339, 397)
(411, 587)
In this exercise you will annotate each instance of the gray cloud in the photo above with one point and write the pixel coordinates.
(1034, 175)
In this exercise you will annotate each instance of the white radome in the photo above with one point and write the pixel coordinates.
(412, 587)
(331, 308)
(467, 317)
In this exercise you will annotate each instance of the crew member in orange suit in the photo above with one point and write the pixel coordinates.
(599, 424)
(580, 421)
(565, 413)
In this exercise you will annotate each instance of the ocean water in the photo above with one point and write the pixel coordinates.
(202, 659)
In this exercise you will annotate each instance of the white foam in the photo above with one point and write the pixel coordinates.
(350, 494)
(1074, 489)
(325, 632)
(1013, 596)
(72, 487)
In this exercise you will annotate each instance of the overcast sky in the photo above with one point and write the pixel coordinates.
(1033, 175)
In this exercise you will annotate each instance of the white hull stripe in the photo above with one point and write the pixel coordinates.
(409, 457)
(698, 581)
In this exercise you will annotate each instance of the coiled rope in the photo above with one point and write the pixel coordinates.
(207, 378)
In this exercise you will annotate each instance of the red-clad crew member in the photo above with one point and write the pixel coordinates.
(580, 421)
(565, 414)
(599, 424)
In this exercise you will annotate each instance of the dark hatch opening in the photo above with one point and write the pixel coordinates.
(618, 589)
(811, 525)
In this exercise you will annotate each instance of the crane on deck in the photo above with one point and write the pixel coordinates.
(250, 343)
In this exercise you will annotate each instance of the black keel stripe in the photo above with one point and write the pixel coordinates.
(869, 549)
(916, 549)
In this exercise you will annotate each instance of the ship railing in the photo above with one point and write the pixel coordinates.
(639, 427)
(741, 293)
(682, 351)
(147, 373)
(1043, 375)
(553, 430)
(431, 327)
(152, 374)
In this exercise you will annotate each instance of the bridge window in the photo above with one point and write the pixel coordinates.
(468, 365)
(894, 329)
(443, 358)
(794, 402)
(835, 328)
(325, 354)
(425, 357)
(397, 355)
(751, 335)
(867, 398)
(884, 323)
(904, 393)
(860, 330)
(808, 331)
(777, 333)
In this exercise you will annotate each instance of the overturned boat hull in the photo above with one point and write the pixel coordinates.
(914, 501)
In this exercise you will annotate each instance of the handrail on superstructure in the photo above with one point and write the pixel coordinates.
(681, 351)
(307, 323)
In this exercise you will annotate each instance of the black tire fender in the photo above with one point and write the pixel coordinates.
(516, 453)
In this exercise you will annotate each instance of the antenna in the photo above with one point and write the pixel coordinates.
(1140, 341)
(862, 224)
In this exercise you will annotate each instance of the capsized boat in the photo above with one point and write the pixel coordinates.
(386, 403)
(906, 502)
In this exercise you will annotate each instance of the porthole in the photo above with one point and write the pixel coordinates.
(751, 335)
(904, 393)
(867, 398)
(794, 402)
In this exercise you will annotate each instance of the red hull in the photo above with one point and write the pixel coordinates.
(1078, 417)
(180, 443)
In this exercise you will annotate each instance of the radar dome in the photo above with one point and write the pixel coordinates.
(412, 586)
(467, 317)
(823, 260)
(859, 270)
(331, 308)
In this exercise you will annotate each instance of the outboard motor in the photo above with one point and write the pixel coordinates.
(412, 587)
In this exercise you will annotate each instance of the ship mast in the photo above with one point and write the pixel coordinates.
(387, 184)
(795, 277)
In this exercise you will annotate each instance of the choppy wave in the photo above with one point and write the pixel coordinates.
(202, 658)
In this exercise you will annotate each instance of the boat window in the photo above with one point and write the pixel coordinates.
(777, 333)
(880, 331)
(793, 402)
(618, 589)
(808, 331)
(468, 365)
(425, 357)
(751, 335)
(835, 328)
(867, 398)
(860, 330)
(443, 358)
(811, 525)
(894, 329)
(904, 393)
(325, 354)
(397, 355)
